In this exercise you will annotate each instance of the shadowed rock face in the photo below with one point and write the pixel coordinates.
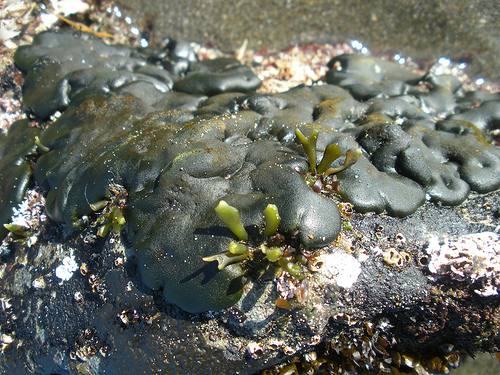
(180, 135)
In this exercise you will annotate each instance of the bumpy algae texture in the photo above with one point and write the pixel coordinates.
(15, 168)
(180, 135)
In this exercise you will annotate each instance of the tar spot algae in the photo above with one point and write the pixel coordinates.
(180, 135)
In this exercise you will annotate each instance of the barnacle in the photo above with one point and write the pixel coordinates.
(393, 257)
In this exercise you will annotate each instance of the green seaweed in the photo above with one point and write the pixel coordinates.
(239, 252)
(272, 254)
(17, 229)
(225, 259)
(332, 153)
(272, 219)
(351, 157)
(317, 177)
(309, 145)
(229, 215)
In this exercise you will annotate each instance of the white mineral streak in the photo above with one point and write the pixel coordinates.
(67, 268)
(343, 268)
(469, 258)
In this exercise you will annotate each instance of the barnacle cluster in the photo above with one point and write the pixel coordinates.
(87, 344)
(393, 256)
(372, 352)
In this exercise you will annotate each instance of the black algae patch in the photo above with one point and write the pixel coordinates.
(15, 169)
(179, 135)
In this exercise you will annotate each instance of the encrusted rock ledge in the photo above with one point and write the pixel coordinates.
(364, 307)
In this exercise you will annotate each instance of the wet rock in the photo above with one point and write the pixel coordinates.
(136, 150)
(15, 168)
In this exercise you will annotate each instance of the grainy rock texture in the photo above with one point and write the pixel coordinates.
(465, 30)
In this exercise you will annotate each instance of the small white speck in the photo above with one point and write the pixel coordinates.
(134, 30)
(479, 81)
(67, 268)
(444, 61)
(462, 65)
(117, 11)
(356, 44)
(128, 20)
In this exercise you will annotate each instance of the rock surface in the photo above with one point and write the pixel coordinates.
(378, 296)
(464, 31)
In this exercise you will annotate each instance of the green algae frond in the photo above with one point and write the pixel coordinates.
(290, 267)
(111, 216)
(318, 174)
(225, 259)
(271, 245)
(351, 157)
(309, 145)
(113, 220)
(272, 254)
(17, 229)
(272, 219)
(332, 153)
(237, 248)
(237, 253)
(231, 217)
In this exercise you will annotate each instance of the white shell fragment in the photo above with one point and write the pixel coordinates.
(469, 258)
(67, 268)
(344, 268)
